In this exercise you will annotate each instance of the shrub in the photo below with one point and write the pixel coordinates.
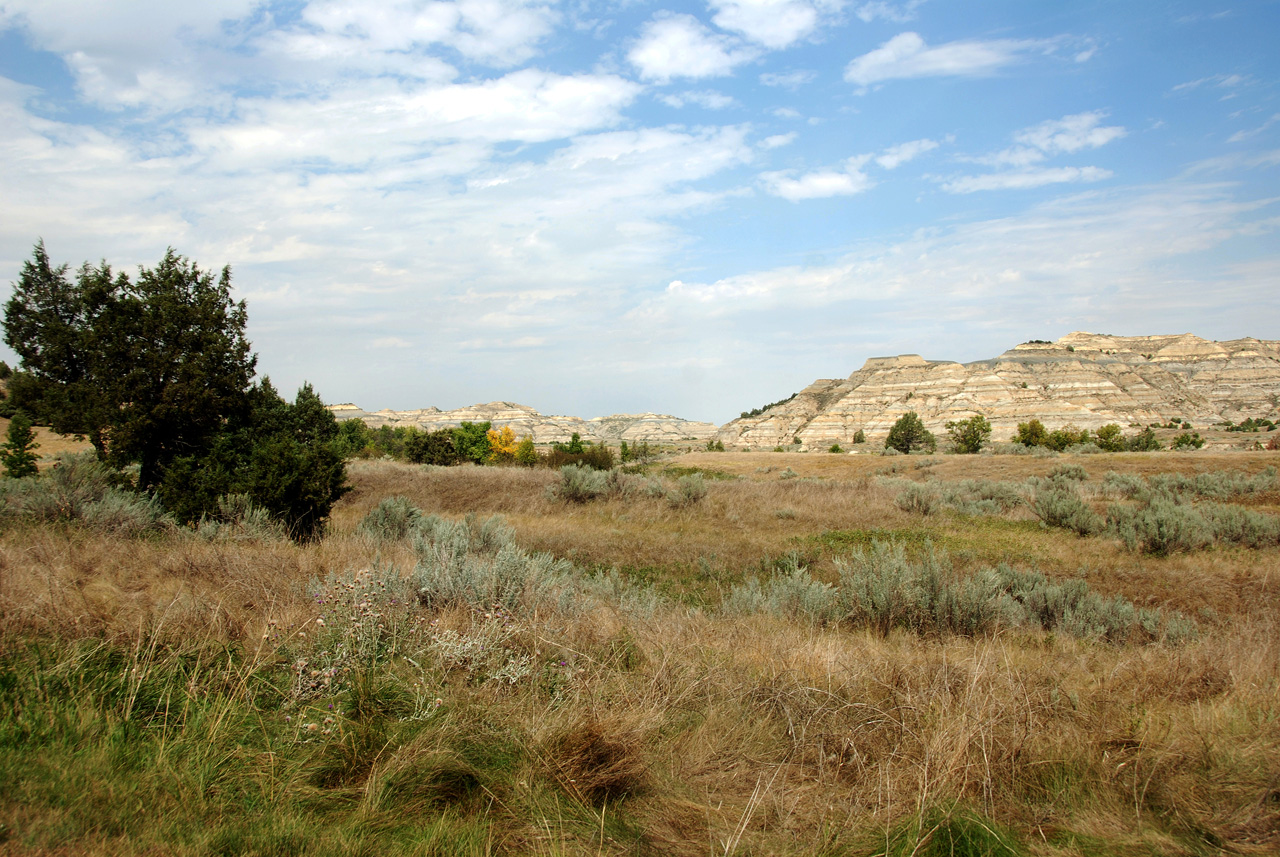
(594, 456)
(859, 436)
(478, 565)
(715, 446)
(690, 490)
(969, 436)
(1188, 440)
(578, 483)
(1069, 472)
(527, 456)
(1162, 528)
(238, 519)
(909, 434)
(1058, 504)
(502, 445)
(1109, 438)
(391, 520)
(919, 497)
(835, 448)
(1143, 441)
(1031, 433)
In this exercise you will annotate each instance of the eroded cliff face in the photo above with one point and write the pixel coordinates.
(1085, 380)
(633, 428)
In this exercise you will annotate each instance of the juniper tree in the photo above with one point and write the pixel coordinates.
(18, 453)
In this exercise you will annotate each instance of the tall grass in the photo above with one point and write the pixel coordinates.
(471, 685)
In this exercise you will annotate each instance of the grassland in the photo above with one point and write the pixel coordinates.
(572, 680)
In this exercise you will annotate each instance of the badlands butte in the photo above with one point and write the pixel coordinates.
(1083, 380)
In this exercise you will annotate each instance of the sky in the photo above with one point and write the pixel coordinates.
(684, 208)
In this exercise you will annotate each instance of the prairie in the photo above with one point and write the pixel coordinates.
(481, 667)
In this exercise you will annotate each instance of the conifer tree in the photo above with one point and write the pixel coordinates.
(17, 454)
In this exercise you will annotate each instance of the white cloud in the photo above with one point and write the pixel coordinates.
(680, 46)
(772, 23)
(499, 32)
(1070, 133)
(1026, 178)
(907, 56)
(709, 99)
(777, 141)
(1220, 81)
(785, 112)
(788, 80)
(896, 12)
(1036, 144)
(896, 156)
(1067, 247)
(1241, 136)
(818, 185)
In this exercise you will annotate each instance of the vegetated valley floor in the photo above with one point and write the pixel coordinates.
(679, 674)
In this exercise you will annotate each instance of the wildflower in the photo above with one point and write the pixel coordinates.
(313, 727)
(320, 622)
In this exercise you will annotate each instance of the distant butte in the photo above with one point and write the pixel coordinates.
(1085, 380)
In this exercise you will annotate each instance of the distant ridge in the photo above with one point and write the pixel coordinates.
(524, 420)
(1086, 380)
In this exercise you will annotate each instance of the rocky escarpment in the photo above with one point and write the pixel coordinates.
(1085, 380)
(523, 420)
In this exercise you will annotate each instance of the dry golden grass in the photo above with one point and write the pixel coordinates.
(736, 735)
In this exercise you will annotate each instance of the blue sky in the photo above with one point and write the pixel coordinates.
(689, 208)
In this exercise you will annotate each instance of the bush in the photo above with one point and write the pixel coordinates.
(1143, 441)
(859, 436)
(285, 456)
(909, 434)
(1162, 528)
(238, 519)
(1110, 438)
(1031, 433)
(919, 498)
(689, 491)
(391, 520)
(1058, 504)
(835, 448)
(1188, 440)
(969, 436)
(478, 565)
(578, 484)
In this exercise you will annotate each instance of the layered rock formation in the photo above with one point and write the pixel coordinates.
(633, 428)
(1085, 380)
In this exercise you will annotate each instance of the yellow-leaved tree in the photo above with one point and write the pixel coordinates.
(502, 444)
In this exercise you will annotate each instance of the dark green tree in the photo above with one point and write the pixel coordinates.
(286, 456)
(909, 433)
(432, 447)
(1144, 441)
(149, 370)
(969, 436)
(18, 453)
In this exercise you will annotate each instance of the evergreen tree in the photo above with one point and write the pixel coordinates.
(17, 454)
(909, 433)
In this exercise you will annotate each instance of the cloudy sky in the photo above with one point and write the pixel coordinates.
(697, 208)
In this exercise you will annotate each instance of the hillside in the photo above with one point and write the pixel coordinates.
(1085, 380)
(633, 428)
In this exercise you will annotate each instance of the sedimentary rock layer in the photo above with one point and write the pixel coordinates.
(633, 428)
(1084, 380)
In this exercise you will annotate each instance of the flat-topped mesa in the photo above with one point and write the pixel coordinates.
(894, 362)
(524, 420)
(1083, 379)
